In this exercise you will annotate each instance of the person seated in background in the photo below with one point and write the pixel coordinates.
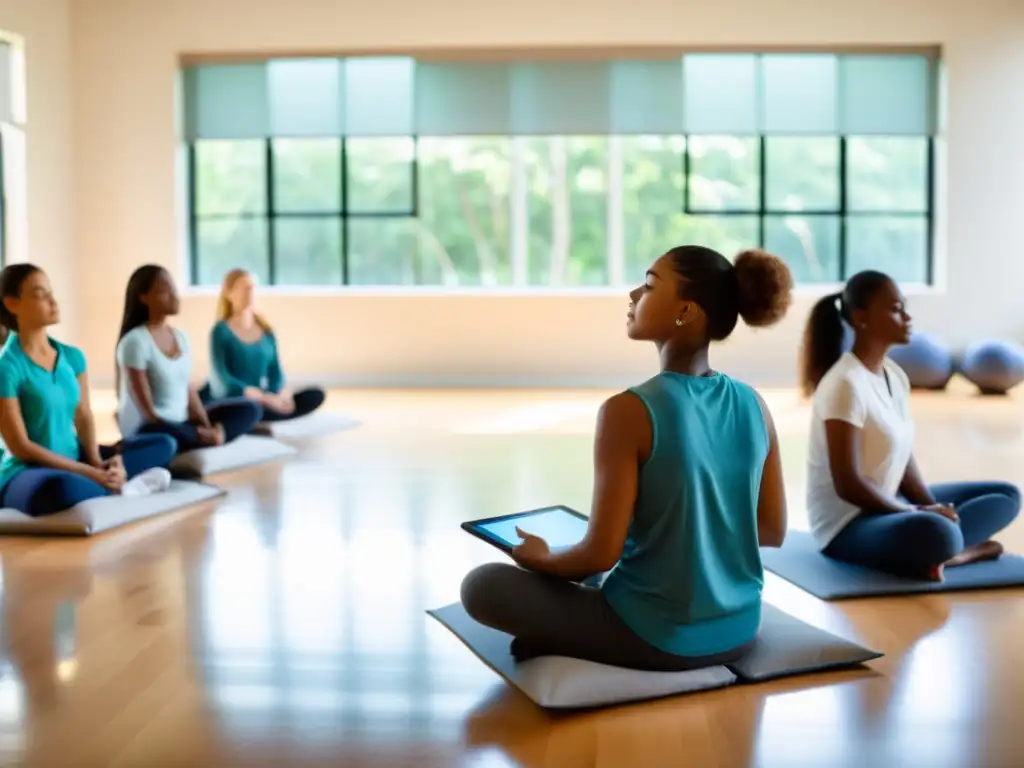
(154, 371)
(687, 486)
(244, 359)
(52, 460)
(866, 499)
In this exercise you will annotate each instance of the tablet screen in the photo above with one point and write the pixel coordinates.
(557, 527)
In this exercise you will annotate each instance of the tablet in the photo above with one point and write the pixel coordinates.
(559, 526)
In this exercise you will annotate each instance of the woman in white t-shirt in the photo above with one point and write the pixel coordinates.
(154, 372)
(865, 496)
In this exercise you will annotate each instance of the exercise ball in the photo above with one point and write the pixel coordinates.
(927, 362)
(994, 367)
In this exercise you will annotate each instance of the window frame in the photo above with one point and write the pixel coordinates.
(843, 213)
(3, 206)
(271, 215)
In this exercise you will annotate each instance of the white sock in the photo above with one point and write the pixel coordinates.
(154, 480)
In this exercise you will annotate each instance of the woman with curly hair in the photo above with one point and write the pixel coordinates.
(687, 485)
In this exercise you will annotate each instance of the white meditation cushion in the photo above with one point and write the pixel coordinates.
(102, 514)
(314, 425)
(559, 682)
(242, 452)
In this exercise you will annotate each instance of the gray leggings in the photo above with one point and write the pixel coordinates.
(548, 616)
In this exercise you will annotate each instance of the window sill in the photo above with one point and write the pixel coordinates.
(511, 292)
(508, 291)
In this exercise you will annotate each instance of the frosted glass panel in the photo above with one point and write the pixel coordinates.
(6, 84)
(461, 100)
(896, 245)
(565, 98)
(647, 97)
(799, 94)
(305, 97)
(887, 95)
(379, 96)
(227, 101)
(19, 94)
(720, 94)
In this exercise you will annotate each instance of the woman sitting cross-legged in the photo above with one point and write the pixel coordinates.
(866, 499)
(51, 460)
(244, 358)
(154, 370)
(687, 485)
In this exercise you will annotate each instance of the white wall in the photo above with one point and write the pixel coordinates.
(44, 26)
(124, 64)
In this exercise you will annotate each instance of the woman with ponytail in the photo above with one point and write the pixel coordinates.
(154, 372)
(243, 355)
(52, 460)
(687, 486)
(866, 499)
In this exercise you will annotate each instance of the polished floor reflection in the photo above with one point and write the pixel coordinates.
(285, 626)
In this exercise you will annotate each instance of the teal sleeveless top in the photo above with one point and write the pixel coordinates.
(690, 577)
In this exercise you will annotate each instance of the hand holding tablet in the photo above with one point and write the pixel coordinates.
(557, 527)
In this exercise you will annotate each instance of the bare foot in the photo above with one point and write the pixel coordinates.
(987, 550)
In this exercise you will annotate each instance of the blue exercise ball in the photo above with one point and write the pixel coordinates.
(927, 362)
(994, 367)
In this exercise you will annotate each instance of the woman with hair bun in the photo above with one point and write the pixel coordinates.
(687, 486)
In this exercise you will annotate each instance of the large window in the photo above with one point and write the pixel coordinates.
(3, 206)
(543, 187)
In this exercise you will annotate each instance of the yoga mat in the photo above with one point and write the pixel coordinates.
(306, 427)
(107, 512)
(785, 647)
(799, 561)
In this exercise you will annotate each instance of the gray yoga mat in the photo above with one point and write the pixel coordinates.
(785, 647)
(799, 561)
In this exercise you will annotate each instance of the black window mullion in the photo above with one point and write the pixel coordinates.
(414, 179)
(686, 175)
(414, 190)
(930, 212)
(843, 206)
(271, 212)
(762, 202)
(345, 229)
(193, 219)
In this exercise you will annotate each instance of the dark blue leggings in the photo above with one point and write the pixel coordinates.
(39, 491)
(237, 415)
(306, 401)
(910, 543)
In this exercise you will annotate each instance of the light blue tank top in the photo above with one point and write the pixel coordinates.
(690, 578)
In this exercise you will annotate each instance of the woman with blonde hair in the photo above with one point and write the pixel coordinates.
(243, 355)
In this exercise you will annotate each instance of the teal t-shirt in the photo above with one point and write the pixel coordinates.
(47, 399)
(236, 364)
(690, 577)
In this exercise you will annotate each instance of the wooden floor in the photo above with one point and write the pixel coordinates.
(285, 626)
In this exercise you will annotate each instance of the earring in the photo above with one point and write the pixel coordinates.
(679, 322)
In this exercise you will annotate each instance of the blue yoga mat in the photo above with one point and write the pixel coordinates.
(800, 562)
